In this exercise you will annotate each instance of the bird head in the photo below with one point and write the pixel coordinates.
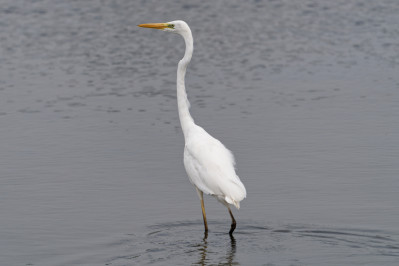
(177, 26)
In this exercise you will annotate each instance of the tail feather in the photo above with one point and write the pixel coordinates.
(233, 202)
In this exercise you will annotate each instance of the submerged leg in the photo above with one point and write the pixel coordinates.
(233, 222)
(201, 196)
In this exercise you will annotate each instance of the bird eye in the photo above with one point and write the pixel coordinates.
(171, 26)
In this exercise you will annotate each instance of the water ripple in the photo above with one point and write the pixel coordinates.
(184, 243)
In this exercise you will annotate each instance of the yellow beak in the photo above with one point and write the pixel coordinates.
(158, 26)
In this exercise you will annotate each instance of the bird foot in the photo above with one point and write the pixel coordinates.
(232, 228)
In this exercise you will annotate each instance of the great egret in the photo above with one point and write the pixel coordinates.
(209, 164)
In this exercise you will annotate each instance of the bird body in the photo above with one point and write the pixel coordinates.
(208, 163)
(210, 167)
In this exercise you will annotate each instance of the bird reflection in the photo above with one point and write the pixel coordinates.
(227, 260)
(203, 249)
(232, 252)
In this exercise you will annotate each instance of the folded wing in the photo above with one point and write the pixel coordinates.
(210, 167)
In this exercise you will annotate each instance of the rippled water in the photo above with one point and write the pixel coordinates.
(305, 93)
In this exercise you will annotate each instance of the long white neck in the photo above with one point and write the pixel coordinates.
(183, 105)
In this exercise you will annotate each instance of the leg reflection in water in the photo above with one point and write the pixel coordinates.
(225, 260)
(203, 249)
(232, 252)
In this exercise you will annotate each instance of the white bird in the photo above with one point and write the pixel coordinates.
(208, 163)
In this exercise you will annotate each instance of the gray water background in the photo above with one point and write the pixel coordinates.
(305, 93)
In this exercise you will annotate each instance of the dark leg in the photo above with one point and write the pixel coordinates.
(233, 222)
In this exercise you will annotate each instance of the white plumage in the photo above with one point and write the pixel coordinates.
(209, 164)
(210, 167)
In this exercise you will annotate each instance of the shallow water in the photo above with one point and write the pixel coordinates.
(305, 93)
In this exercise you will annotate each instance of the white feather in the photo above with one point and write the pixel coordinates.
(210, 167)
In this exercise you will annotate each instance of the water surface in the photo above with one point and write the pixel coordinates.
(305, 93)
